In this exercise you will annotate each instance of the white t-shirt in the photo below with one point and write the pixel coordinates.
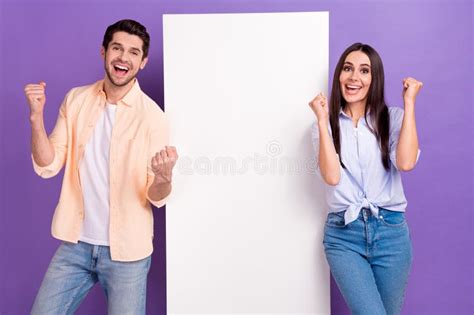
(94, 174)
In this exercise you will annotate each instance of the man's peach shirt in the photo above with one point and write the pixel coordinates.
(140, 130)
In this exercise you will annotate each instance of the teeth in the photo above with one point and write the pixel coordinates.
(122, 67)
(353, 87)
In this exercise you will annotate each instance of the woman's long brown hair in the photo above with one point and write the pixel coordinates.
(376, 107)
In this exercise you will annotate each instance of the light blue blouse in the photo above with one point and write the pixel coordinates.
(365, 183)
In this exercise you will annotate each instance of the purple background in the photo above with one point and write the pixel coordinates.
(59, 42)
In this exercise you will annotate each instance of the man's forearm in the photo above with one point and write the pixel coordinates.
(159, 191)
(41, 147)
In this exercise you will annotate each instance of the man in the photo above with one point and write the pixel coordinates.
(112, 139)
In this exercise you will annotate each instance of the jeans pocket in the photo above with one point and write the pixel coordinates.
(392, 218)
(335, 219)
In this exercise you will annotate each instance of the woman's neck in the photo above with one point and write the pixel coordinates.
(355, 111)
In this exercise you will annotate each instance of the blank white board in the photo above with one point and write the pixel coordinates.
(245, 222)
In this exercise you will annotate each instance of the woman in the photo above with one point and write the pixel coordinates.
(361, 147)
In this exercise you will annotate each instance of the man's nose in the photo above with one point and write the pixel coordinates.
(123, 57)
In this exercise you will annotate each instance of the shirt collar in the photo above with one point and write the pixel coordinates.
(342, 113)
(361, 120)
(129, 99)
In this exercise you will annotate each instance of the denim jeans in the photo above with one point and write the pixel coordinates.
(76, 268)
(370, 259)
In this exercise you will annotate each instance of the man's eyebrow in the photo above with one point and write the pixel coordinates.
(118, 44)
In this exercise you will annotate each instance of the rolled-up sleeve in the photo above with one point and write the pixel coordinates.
(159, 138)
(59, 140)
(315, 141)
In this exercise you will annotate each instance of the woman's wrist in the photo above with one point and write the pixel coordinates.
(323, 123)
(409, 103)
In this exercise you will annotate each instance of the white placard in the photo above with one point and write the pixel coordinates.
(245, 222)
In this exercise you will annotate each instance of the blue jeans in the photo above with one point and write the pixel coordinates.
(370, 259)
(76, 268)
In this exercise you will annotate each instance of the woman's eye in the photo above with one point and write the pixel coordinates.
(346, 69)
(365, 71)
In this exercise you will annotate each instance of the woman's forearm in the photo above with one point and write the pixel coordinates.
(407, 148)
(328, 159)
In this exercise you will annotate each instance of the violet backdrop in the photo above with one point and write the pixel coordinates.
(59, 42)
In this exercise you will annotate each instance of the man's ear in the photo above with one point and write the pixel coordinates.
(102, 52)
(143, 63)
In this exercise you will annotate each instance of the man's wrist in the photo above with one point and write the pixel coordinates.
(158, 191)
(160, 181)
(36, 117)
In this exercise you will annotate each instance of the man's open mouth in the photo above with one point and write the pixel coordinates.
(121, 70)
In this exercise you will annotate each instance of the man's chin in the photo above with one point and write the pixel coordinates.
(120, 83)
